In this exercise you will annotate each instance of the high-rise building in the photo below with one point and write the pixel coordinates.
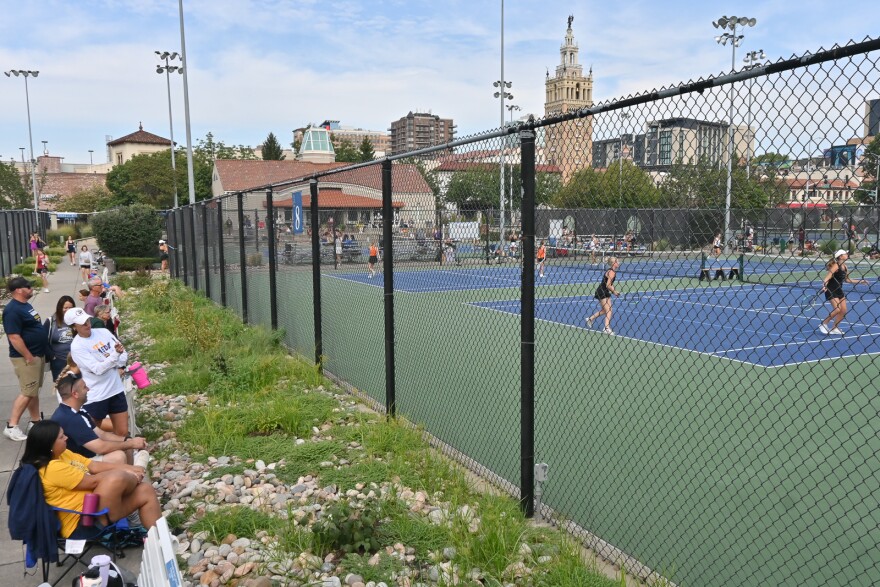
(569, 144)
(420, 130)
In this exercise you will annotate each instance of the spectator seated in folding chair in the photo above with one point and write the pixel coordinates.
(65, 479)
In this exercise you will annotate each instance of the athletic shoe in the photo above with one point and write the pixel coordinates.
(608, 331)
(29, 426)
(84, 282)
(590, 322)
(837, 331)
(14, 433)
(45, 290)
(824, 329)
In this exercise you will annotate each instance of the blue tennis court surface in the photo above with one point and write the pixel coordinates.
(759, 325)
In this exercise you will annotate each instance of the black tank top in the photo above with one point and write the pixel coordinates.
(837, 278)
(603, 287)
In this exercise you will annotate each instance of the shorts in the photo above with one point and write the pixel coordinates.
(836, 293)
(43, 271)
(374, 259)
(338, 250)
(115, 404)
(602, 294)
(30, 377)
(85, 266)
(71, 249)
(163, 257)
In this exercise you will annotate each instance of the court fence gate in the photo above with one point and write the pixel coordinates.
(718, 436)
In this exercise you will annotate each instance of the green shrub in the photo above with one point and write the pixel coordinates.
(55, 251)
(131, 231)
(86, 231)
(35, 280)
(140, 278)
(60, 234)
(345, 528)
(135, 263)
(661, 245)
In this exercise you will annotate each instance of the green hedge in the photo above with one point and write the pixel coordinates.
(135, 263)
(60, 234)
(130, 231)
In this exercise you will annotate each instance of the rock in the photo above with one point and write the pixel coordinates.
(331, 582)
(244, 569)
(224, 549)
(230, 538)
(327, 567)
(208, 577)
(524, 550)
(260, 465)
(259, 582)
(449, 553)
(351, 579)
(241, 543)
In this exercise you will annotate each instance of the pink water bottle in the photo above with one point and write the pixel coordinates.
(90, 506)
(139, 375)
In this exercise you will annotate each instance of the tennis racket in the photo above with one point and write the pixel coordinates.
(810, 301)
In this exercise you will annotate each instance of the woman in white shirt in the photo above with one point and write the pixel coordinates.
(85, 263)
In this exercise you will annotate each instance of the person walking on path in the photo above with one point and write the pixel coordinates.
(27, 352)
(71, 250)
(41, 268)
(85, 263)
(604, 293)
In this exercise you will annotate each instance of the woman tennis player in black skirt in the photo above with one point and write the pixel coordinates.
(832, 285)
(604, 293)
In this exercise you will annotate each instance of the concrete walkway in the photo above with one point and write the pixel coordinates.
(65, 280)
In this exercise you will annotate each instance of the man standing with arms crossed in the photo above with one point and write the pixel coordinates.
(27, 352)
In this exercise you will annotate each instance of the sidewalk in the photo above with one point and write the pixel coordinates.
(65, 280)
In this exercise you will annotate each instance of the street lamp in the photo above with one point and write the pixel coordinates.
(189, 159)
(168, 69)
(26, 73)
(502, 153)
(752, 59)
(510, 108)
(730, 23)
(91, 161)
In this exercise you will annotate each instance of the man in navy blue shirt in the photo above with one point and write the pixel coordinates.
(27, 352)
(83, 436)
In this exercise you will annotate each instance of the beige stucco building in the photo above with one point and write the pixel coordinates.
(140, 142)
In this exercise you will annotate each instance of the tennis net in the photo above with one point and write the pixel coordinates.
(803, 272)
(667, 264)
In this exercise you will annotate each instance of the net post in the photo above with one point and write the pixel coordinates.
(741, 263)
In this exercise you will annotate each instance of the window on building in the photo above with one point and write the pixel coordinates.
(119, 158)
(666, 147)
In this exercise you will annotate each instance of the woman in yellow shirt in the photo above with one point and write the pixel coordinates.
(67, 477)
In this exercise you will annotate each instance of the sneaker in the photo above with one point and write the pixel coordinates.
(608, 331)
(837, 331)
(29, 426)
(14, 433)
(590, 322)
(84, 282)
(824, 329)
(45, 290)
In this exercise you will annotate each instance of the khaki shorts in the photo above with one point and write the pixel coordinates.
(30, 377)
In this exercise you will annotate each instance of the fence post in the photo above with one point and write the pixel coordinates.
(486, 216)
(193, 246)
(207, 259)
(273, 292)
(256, 230)
(221, 255)
(527, 327)
(388, 269)
(314, 221)
(172, 242)
(242, 258)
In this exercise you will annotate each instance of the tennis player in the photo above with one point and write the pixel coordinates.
(604, 293)
(374, 258)
(541, 256)
(832, 285)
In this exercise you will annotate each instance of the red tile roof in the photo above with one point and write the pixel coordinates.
(142, 137)
(471, 165)
(240, 175)
(335, 199)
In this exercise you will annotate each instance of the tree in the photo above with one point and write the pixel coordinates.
(92, 199)
(130, 231)
(623, 185)
(867, 193)
(705, 186)
(148, 179)
(272, 149)
(474, 189)
(346, 152)
(208, 150)
(13, 195)
(770, 158)
(367, 153)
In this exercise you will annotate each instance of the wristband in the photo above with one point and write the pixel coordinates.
(127, 437)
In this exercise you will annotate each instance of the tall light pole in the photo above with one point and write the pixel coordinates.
(752, 59)
(502, 93)
(26, 73)
(167, 69)
(510, 108)
(730, 23)
(91, 160)
(189, 154)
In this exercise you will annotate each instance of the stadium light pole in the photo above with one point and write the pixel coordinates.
(511, 108)
(26, 73)
(189, 155)
(167, 69)
(502, 94)
(752, 59)
(91, 160)
(730, 23)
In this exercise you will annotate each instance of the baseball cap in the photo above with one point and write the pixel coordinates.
(76, 316)
(840, 252)
(161, 242)
(18, 283)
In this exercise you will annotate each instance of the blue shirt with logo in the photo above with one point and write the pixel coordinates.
(22, 319)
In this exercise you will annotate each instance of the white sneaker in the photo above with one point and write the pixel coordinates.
(30, 425)
(608, 331)
(84, 282)
(837, 331)
(823, 329)
(14, 433)
(45, 290)
(590, 322)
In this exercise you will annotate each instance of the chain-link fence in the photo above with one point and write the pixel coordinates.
(16, 228)
(670, 299)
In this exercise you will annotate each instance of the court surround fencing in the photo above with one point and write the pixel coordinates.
(718, 436)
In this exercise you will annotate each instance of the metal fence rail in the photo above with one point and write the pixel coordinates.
(703, 427)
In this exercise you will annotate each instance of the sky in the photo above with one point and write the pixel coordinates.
(256, 67)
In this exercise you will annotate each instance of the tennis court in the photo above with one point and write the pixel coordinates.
(752, 324)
